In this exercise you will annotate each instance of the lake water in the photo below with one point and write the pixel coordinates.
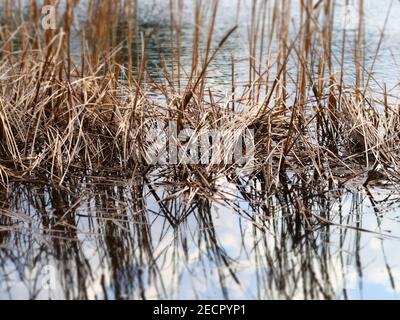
(115, 245)
(383, 64)
(117, 240)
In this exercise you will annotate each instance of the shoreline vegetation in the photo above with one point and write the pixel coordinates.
(63, 118)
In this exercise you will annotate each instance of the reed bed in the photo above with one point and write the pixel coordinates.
(68, 111)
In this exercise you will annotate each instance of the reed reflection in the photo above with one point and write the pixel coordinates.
(144, 242)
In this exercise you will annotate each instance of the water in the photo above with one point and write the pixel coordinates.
(106, 242)
(381, 58)
(117, 240)
(382, 64)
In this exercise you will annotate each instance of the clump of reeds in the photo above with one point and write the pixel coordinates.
(64, 115)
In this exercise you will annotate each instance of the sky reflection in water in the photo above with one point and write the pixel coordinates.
(111, 246)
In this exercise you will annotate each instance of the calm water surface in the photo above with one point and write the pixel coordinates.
(118, 242)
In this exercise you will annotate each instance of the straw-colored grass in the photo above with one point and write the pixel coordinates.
(61, 116)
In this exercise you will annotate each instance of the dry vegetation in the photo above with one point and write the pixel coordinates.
(62, 116)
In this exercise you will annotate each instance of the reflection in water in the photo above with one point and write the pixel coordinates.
(143, 241)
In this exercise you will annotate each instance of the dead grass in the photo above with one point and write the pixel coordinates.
(62, 118)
